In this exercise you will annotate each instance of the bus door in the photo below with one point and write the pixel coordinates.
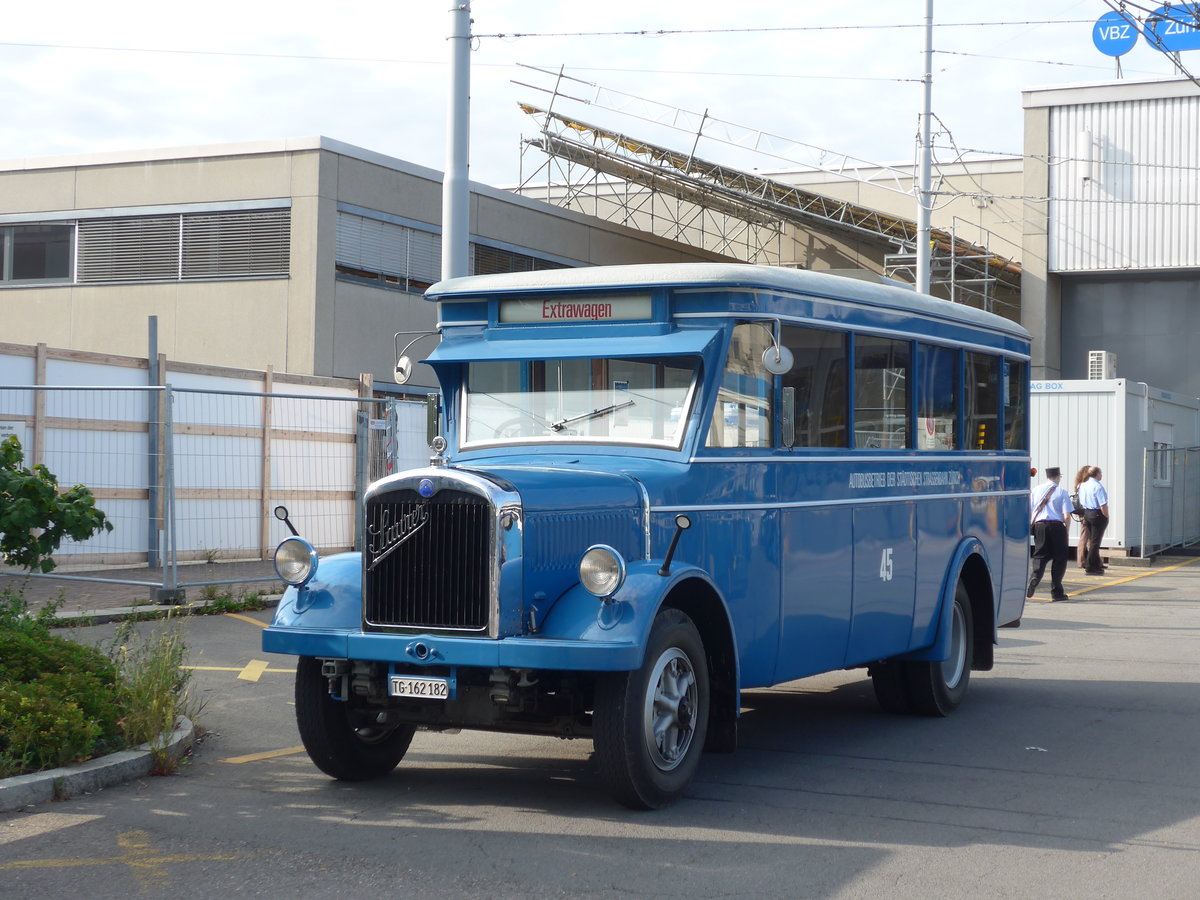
(885, 534)
(816, 539)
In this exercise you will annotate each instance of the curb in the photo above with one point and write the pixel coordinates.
(145, 610)
(94, 775)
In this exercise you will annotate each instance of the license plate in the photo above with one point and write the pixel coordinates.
(420, 688)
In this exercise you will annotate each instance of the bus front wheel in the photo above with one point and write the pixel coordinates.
(931, 688)
(649, 724)
(343, 742)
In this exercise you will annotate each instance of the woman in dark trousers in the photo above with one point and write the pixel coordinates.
(1094, 500)
(1081, 551)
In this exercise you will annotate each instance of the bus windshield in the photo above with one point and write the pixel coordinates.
(622, 401)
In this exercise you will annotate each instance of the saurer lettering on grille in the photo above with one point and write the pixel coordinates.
(385, 537)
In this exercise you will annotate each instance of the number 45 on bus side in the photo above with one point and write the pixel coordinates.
(885, 565)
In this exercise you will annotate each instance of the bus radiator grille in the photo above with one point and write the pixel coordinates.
(427, 561)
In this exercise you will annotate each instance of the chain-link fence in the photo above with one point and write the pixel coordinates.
(1170, 499)
(190, 477)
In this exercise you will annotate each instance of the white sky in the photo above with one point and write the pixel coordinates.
(84, 77)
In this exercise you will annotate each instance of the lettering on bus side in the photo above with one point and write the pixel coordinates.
(935, 478)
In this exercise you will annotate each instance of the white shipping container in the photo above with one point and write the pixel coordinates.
(1112, 424)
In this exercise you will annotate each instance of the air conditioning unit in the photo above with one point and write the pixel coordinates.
(1102, 365)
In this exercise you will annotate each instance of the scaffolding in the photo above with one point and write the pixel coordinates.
(678, 195)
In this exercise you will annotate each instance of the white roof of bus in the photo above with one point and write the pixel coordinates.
(715, 275)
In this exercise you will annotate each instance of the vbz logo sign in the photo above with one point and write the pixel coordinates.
(1115, 33)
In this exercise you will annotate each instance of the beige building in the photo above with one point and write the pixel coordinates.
(304, 256)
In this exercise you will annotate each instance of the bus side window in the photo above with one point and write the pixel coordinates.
(1016, 437)
(881, 410)
(819, 377)
(742, 414)
(937, 398)
(983, 402)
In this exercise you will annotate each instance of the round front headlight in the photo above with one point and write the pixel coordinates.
(602, 571)
(295, 561)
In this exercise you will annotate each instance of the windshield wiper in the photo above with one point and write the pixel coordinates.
(594, 414)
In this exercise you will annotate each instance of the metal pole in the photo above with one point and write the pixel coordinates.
(361, 437)
(152, 401)
(171, 592)
(456, 188)
(924, 199)
(1145, 466)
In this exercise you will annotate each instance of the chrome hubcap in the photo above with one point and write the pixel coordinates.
(953, 667)
(670, 711)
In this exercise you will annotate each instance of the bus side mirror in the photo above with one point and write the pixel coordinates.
(404, 367)
(777, 359)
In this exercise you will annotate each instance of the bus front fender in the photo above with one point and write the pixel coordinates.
(332, 599)
(625, 618)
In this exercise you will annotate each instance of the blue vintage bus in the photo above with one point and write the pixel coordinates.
(656, 487)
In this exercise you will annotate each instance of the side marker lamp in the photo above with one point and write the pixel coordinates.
(295, 561)
(602, 571)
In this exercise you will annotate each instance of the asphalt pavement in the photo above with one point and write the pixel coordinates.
(1069, 772)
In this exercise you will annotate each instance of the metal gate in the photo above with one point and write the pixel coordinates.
(190, 477)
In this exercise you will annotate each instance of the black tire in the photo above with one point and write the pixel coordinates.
(891, 686)
(930, 688)
(343, 742)
(649, 724)
(937, 688)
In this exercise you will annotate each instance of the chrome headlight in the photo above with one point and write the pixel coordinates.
(295, 561)
(602, 571)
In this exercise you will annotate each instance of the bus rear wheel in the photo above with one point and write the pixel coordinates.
(931, 688)
(649, 724)
(343, 742)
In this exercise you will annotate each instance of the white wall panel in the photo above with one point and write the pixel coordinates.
(1125, 185)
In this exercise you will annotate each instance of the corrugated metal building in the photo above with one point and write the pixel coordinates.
(1111, 251)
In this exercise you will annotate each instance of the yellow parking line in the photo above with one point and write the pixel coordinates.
(246, 619)
(1113, 583)
(253, 670)
(257, 757)
(253, 666)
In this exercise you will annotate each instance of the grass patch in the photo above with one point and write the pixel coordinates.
(152, 686)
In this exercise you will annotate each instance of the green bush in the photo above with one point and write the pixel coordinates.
(40, 729)
(63, 702)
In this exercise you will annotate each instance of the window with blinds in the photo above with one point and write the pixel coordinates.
(392, 255)
(493, 260)
(184, 247)
(410, 259)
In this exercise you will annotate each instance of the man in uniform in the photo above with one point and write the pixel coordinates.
(1049, 510)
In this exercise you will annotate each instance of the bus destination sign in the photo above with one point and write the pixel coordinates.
(622, 308)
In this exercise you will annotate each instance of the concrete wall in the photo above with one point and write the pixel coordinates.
(1152, 323)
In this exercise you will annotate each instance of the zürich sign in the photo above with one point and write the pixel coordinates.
(1169, 28)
